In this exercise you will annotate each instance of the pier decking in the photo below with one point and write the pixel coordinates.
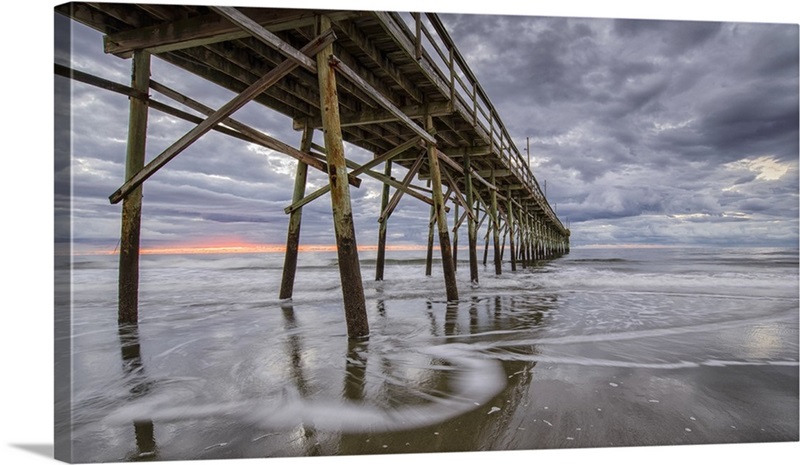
(393, 84)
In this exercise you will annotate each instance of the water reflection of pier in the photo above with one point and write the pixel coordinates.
(410, 399)
(373, 376)
(139, 386)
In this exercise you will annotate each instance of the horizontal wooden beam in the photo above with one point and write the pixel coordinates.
(501, 173)
(204, 30)
(378, 116)
(476, 151)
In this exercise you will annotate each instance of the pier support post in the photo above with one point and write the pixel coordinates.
(128, 308)
(539, 240)
(498, 267)
(441, 218)
(511, 245)
(293, 234)
(429, 253)
(522, 228)
(472, 233)
(529, 254)
(381, 258)
(455, 236)
(349, 268)
(486, 242)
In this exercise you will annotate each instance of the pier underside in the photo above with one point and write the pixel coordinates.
(392, 84)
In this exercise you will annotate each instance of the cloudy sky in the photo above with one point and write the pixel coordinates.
(646, 131)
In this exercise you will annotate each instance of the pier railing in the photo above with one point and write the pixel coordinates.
(433, 44)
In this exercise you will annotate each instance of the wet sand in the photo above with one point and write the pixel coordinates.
(552, 406)
(581, 407)
(511, 367)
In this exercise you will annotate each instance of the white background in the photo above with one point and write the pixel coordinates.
(26, 289)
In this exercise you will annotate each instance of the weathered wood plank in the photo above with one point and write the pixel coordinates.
(299, 203)
(206, 29)
(256, 30)
(251, 134)
(128, 284)
(382, 100)
(511, 230)
(409, 48)
(498, 266)
(452, 184)
(368, 47)
(473, 151)
(378, 116)
(293, 232)
(412, 171)
(346, 248)
(472, 235)
(441, 220)
(382, 227)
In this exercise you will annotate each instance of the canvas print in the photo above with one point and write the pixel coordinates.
(319, 232)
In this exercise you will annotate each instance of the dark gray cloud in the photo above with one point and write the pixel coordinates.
(681, 120)
(645, 130)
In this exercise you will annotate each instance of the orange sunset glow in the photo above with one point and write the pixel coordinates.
(240, 247)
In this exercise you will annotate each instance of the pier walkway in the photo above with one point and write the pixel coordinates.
(390, 83)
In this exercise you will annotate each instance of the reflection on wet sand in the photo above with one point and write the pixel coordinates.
(434, 392)
(139, 386)
(295, 356)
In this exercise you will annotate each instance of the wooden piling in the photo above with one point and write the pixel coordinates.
(441, 218)
(429, 252)
(522, 239)
(527, 257)
(472, 233)
(510, 220)
(498, 266)
(128, 308)
(381, 258)
(486, 243)
(455, 237)
(349, 267)
(295, 217)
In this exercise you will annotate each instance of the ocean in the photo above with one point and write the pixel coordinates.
(603, 347)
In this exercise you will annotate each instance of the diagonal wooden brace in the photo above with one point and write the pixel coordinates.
(359, 170)
(353, 77)
(261, 33)
(269, 79)
(251, 134)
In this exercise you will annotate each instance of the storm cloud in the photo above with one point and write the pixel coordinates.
(649, 125)
(645, 131)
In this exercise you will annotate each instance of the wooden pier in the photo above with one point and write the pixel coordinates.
(393, 84)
